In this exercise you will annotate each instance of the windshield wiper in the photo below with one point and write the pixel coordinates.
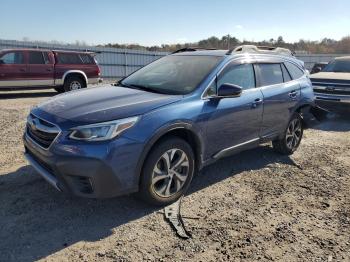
(145, 88)
(139, 87)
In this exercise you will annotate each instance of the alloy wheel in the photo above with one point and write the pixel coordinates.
(75, 85)
(170, 173)
(294, 133)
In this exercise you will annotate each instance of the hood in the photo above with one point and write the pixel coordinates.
(330, 75)
(105, 103)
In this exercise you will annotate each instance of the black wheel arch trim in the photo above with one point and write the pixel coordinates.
(310, 113)
(163, 131)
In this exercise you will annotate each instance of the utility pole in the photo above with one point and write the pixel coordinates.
(228, 41)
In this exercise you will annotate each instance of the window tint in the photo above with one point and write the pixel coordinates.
(36, 58)
(65, 58)
(87, 59)
(294, 71)
(241, 75)
(12, 58)
(270, 74)
(286, 75)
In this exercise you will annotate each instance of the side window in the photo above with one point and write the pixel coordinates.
(87, 59)
(241, 75)
(36, 58)
(12, 58)
(294, 71)
(270, 74)
(66, 58)
(286, 75)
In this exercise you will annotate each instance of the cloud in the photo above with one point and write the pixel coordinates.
(239, 27)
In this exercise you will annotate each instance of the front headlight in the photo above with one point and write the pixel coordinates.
(102, 131)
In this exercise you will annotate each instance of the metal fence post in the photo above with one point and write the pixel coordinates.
(126, 63)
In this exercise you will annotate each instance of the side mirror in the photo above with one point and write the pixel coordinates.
(229, 90)
(1, 62)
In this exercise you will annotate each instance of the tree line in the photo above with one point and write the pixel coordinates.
(325, 46)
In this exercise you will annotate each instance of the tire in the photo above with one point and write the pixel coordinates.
(161, 183)
(73, 83)
(292, 136)
(59, 89)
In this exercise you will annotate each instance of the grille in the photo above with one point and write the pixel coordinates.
(332, 87)
(41, 132)
(334, 92)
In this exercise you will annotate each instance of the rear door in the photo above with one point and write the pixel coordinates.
(281, 95)
(13, 69)
(40, 69)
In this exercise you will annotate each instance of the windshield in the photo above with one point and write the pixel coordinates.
(338, 66)
(172, 74)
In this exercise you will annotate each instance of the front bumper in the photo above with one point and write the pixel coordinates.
(51, 179)
(333, 103)
(94, 170)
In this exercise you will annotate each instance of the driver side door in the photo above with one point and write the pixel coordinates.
(234, 122)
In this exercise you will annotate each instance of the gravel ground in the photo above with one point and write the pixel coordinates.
(257, 205)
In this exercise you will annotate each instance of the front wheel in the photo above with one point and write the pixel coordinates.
(167, 172)
(291, 138)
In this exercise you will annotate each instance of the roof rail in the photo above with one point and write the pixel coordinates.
(191, 49)
(77, 51)
(261, 50)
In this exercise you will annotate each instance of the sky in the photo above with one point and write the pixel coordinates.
(155, 22)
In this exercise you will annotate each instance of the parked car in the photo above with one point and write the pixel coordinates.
(332, 86)
(157, 127)
(61, 70)
(318, 67)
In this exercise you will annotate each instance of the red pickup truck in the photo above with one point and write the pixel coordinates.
(61, 70)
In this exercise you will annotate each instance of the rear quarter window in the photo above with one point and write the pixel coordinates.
(87, 59)
(65, 58)
(294, 71)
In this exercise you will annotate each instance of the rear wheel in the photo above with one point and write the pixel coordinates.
(291, 138)
(73, 83)
(167, 172)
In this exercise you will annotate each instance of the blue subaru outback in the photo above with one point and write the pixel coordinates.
(152, 131)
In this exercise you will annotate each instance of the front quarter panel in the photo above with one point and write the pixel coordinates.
(186, 114)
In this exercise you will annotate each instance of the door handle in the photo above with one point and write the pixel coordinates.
(48, 69)
(257, 102)
(293, 94)
(22, 70)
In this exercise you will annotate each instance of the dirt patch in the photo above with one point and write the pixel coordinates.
(257, 205)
